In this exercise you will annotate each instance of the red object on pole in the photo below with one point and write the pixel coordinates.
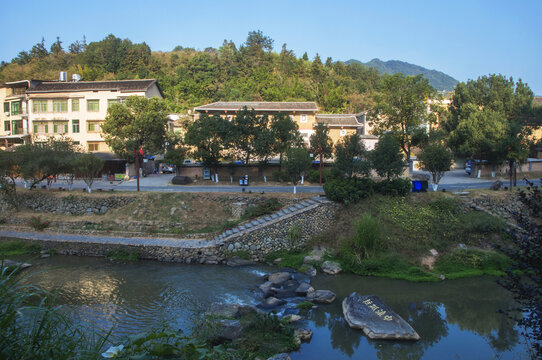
(137, 153)
(320, 151)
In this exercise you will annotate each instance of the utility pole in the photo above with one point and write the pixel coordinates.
(320, 151)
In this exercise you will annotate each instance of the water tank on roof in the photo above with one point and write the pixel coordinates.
(76, 77)
(63, 76)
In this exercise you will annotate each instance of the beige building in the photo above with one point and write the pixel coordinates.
(77, 109)
(303, 113)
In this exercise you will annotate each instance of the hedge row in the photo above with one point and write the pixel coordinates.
(352, 190)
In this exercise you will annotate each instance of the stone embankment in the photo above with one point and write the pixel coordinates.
(286, 229)
(69, 205)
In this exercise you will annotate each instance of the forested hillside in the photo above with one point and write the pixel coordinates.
(437, 79)
(251, 71)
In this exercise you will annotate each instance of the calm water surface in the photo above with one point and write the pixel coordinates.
(455, 319)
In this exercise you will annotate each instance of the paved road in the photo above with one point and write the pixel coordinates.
(455, 180)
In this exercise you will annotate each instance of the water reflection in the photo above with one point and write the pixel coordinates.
(467, 306)
(455, 319)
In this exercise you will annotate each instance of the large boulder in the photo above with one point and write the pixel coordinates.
(310, 270)
(303, 289)
(321, 296)
(376, 319)
(331, 267)
(496, 185)
(270, 303)
(278, 278)
(266, 288)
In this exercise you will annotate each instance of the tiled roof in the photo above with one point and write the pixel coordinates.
(259, 106)
(339, 119)
(72, 86)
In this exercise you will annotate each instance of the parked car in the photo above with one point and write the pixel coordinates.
(168, 169)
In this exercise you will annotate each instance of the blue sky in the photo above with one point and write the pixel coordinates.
(464, 39)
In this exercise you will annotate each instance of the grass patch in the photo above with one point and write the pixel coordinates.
(269, 206)
(387, 265)
(290, 258)
(472, 262)
(243, 254)
(265, 336)
(17, 247)
(122, 255)
(480, 222)
(305, 305)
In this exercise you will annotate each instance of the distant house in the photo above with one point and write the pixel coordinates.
(347, 124)
(303, 113)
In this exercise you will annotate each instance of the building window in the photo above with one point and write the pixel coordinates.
(75, 104)
(93, 146)
(41, 128)
(93, 127)
(343, 132)
(303, 118)
(93, 105)
(75, 126)
(15, 108)
(60, 128)
(60, 105)
(7, 126)
(17, 127)
(39, 106)
(6, 108)
(110, 102)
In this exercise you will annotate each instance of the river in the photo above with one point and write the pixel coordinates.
(456, 319)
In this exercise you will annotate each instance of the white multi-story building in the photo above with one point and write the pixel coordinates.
(77, 109)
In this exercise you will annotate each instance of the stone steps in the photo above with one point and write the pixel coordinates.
(258, 223)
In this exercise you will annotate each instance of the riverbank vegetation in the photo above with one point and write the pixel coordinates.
(392, 237)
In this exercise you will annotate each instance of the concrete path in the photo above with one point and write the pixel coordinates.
(135, 241)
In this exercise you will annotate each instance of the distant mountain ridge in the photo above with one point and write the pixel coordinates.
(437, 79)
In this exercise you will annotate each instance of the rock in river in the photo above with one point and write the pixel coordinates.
(277, 279)
(331, 267)
(237, 261)
(270, 303)
(321, 296)
(375, 318)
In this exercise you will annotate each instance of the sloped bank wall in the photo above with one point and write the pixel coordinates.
(257, 243)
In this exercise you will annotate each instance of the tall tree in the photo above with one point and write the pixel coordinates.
(386, 158)
(246, 128)
(56, 47)
(351, 156)
(321, 142)
(208, 135)
(437, 159)
(39, 51)
(285, 133)
(296, 162)
(138, 125)
(401, 108)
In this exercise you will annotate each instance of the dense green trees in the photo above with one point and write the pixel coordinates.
(491, 119)
(250, 71)
(386, 158)
(437, 159)
(351, 157)
(296, 162)
(401, 108)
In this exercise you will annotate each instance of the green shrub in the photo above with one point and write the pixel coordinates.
(294, 234)
(395, 187)
(36, 223)
(314, 175)
(350, 190)
(280, 176)
(269, 206)
(290, 258)
(366, 236)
